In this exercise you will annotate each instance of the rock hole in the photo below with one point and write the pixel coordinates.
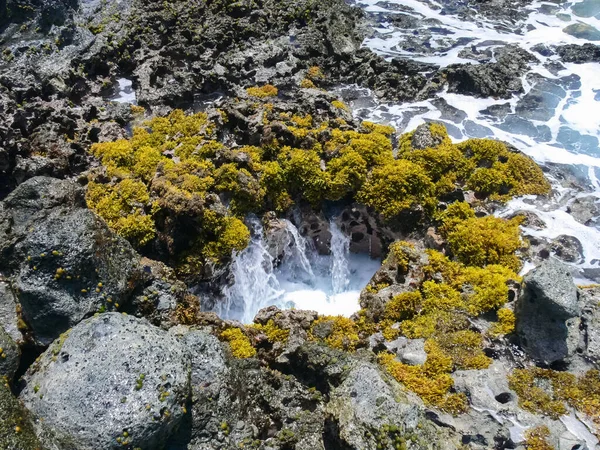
(504, 397)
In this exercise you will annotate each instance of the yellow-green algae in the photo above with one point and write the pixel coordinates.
(240, 344)
(172, 165)
(550, 392)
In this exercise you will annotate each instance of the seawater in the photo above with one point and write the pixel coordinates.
(328, 284)
(564, 127)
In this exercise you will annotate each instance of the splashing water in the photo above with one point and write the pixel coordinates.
(340, 251)
(328, 284)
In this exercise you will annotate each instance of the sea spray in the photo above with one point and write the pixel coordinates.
(340, 251)
(255, 285)
(328, 284)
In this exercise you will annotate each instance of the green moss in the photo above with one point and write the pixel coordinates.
(231, 235)
(486, 166)
(549, 400)
(16, 428)
(401, 254)
(239, 343)
(302, 169)
(403, 306)
(548, 392)
(505, 324)
(431, 381)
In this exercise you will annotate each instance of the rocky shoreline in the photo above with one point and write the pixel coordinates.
(118, 224)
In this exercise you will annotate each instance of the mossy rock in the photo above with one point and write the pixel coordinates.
(16, 428)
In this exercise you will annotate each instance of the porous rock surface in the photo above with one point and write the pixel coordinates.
(548, 313)
(111, 379)
(66, 261)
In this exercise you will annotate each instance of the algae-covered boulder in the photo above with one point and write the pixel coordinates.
(111, 381)
(16, 430)
(67, 263)
(548, 313)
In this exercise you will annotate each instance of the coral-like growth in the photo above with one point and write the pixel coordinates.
(506, 323)
(273, 332)
(431, 381)
(479, 241)
(397, 186)
(486, 166)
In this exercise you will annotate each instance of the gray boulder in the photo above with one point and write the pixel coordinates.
(236, 401)
(548, 313)
(66, 262)
(9, 355)
(111, 381)
(9, 319)
(369, 411)
(591, 323)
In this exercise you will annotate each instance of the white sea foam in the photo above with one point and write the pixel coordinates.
(328, 284)
(126, 93)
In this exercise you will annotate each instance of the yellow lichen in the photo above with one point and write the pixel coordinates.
(267, 90)
(273, 332)
(536, 438)
(342, 332)
(239, 343)
(505, 324)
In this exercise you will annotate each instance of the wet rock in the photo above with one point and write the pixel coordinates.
(276, 237)
(315, 227)
(235, 401)
(585, 209)
(161, 298)
(548, 313)
(17, 431)
(111, 379)
(498, 79)
(530, 219)
(579, 54)
(568, 249)
(392, 279)
(367, 234)
(583, 31)
(487, 388)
